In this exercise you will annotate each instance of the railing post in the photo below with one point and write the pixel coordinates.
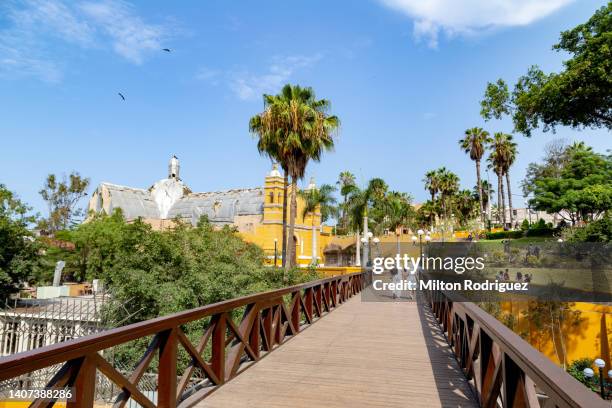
(254, 335)
(295, 311)
(166, 380)
(308, 302)
(85, 384)
(218, 347)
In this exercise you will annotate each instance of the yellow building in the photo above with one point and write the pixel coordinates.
(257, 213)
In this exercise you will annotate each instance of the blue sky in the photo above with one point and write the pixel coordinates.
(404, 76)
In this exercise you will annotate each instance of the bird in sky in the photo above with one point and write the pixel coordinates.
(121, 95)
(166, 49)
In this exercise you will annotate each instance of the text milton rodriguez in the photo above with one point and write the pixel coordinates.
(466, 285)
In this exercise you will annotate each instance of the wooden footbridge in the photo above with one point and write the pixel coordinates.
(328, 343)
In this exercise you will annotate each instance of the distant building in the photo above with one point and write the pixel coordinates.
(26, 324)
(255, 212)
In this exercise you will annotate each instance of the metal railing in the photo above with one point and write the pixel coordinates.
(268, 320)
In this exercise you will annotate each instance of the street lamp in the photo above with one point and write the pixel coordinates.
(275, 251)
(365, 240)
(420, 233)
(559, 240)
(601, 364)
(414, 240)
(376, 240)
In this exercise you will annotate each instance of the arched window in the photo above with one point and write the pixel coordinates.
(271, 197)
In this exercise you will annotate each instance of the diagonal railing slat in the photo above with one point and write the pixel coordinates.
(267, 322)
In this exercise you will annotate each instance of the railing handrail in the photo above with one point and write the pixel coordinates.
(558, 385)
(547, 375)
(20, 363)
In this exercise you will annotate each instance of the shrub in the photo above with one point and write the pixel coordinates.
(532, 260)
(596, 231)
(504, 235)
(525, 225)
(576, 368)
(540, 232)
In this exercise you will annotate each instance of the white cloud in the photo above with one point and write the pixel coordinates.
(130, 35)
(456, 17)
(37, 27)
(247, 85)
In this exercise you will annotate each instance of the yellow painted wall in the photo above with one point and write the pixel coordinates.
(270, 228)
(591, 337)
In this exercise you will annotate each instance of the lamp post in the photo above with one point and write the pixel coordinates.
(601, 364)
(275, 251)
(376, 241)
(365, 240)
(588, 373)
(420, 233)
(414, 240)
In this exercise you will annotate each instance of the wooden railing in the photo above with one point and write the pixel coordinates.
(268, 320)
(502, 368)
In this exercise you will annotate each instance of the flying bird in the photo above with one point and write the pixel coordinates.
(166, 49)
(121, 95)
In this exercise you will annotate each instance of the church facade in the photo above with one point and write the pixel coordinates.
(257, 213)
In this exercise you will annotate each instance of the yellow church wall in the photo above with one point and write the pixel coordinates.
(270, 229)
(590, 336)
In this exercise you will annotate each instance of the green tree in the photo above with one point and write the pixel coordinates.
(509, 157)
(449, 185)
(19, 258)
(582, 192)
(486, 190)
(432, 185)
(555, 158)
(63, 197)
(578, 96)
(474, 144)
(296, 128)
(367, 203)
(497, 162)
(465, 205)
(346, 182)
(398, 213)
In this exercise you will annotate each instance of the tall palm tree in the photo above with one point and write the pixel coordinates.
(346, 182)
(510, 153)
(267, 126)
(474, 144)
(295, 128)
(496, 162)
(449, 185)
(486, 190)
(318, 199)
(432, 184)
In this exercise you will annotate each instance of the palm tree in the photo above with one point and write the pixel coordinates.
(323, 200)
(465, 203)
(474, 144)
(361, 202)
(346, 182)
(432, 184)
(496, 162)
(509, 159)
(449, 185)
(486, 190)
(294, 129)
(398, 213)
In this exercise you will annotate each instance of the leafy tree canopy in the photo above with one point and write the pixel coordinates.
(583, 188)
(19, 258)
(578, 96)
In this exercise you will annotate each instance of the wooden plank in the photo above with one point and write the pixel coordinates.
(364, 354)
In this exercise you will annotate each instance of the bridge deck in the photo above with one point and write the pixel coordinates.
(365, 354)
